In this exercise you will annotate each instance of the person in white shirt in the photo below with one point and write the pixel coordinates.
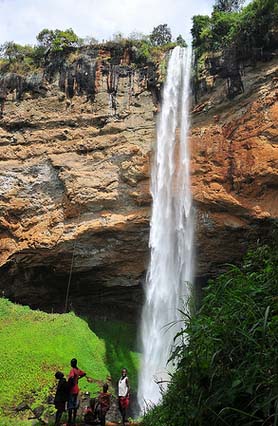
(123, 394)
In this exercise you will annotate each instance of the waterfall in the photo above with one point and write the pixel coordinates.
(170, 271)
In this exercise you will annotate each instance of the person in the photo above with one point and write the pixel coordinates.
(95, 413)
(61, 396)
(3, 97)
(74, 375)
(103, 402)
(123, 394)
(90, 414)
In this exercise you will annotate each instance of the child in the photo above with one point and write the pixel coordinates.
(103, 404)
(61, 396)
(90, 415)
(95, 414)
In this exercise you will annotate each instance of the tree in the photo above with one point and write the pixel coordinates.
(46, 37)
(161, 35)
(15, 52)
(223, 26)
(200, 28)
(228, 5)
(180, 41)
(57, 40)
(11, 51)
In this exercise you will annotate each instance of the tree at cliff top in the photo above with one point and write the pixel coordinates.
(254, 26)
(228, 368)
(227, 5)
(180, 41)
(161, 35)
(230, 38)
(20, 58)
(58, 40)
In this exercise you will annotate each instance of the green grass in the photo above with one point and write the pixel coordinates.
(120, 344)
(34, 345)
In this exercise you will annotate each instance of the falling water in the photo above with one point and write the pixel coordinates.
(170, 270)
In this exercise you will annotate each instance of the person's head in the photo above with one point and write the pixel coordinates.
(59, 375)
(73, 363)
(105, 387)
(124, 372)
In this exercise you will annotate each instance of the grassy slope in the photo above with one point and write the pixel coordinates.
(120, 345)
(35, 345)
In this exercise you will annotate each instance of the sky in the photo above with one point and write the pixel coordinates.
(22, 20)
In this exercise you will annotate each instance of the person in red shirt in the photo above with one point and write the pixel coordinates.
(74, 375)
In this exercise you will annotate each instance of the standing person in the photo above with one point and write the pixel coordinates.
(61, 396)
(103, 403)
(123, 394)
(3, 97)
(74, 375)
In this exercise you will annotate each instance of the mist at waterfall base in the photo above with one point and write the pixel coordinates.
(169, 275)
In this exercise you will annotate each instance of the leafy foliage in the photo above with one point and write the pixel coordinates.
(180, 41)
(161, 35)
(228, 5)
(57, 40)
(227, 373)
(58, 45)
(22, 58)
(254, 25)
(201, 32)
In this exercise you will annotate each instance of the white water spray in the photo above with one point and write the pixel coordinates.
(171, 234)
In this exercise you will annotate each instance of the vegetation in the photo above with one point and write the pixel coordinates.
(17, 58)
(227, 372)
(254, 26)
(227, 5)
(35, 345)
(62, 44)
(57, 40)
(231, 37)
(120, 348)
(161, 35)
(180, 41)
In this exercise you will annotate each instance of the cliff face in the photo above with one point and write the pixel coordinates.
(235, 168)
(74, 191)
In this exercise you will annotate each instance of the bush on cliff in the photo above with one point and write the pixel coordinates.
(227, 373)
(254, 26)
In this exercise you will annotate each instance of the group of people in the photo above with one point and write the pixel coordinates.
(67, 394)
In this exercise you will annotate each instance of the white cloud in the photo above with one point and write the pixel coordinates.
(22, 20)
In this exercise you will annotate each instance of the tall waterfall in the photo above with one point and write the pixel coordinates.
(171, 234)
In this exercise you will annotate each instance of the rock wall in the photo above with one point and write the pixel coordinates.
(74, 189)
(74, 182)
(235, 168)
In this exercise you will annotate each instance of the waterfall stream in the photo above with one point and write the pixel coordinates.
(170, 271)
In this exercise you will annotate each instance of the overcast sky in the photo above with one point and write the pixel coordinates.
(22, 20)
